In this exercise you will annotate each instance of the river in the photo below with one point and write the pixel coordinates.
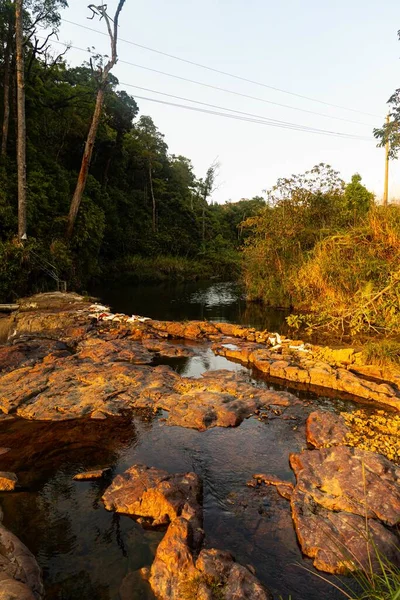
(86, 552)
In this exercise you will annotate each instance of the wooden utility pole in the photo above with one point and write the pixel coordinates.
(21, 133)
(386, 186)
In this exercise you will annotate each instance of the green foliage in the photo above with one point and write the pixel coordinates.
(300, 211)
(139, 200)
(383, 352)
(351, 281)
(326, 249)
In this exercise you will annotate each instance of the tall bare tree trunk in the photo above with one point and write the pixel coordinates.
(152, 199)
(6, 117)
(87, 157)
(21, 137)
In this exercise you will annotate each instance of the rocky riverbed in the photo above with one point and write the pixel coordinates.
(68, 361)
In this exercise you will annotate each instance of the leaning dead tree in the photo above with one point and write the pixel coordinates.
(102, 79)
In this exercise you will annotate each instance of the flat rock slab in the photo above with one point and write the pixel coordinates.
(155, 494)
(167, 349)
(102, 351)
(25, 353)
(338, 541)
(70, 388)
(95, 474)
(352, 480)
(8, 481)
(20, 575)
(219, 399)
(337, 488)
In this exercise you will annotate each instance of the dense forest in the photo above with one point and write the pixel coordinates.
(314, 243)
(144, 212)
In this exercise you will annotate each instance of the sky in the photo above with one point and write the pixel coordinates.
(344, 53)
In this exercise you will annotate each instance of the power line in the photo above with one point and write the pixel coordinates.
(253, 118)
(214, 87)
(225, 72)
(241, 116)
(257, 121)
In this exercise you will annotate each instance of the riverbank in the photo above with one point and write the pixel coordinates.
(69, 363)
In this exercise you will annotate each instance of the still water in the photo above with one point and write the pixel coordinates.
(88, 553)
(204, 300)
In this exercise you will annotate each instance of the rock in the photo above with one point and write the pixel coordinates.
(11, 589)
(337, 489)
(95, 474)
(352, 480)
(168, 349)
(70, 388)
(98, 415)
(4, 450)
(25, 353)
(173, 568)
(156, 495)
(20, 575)
(8, 481)
(101, 351)
(324, 429)
(284, 488)
(338, 541)
(219, 399)
(175, 574)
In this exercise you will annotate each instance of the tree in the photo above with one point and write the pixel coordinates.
(102, 80)
(206, 189)
(390, 132)
(21, 138)
(153, 148)
(358, 200)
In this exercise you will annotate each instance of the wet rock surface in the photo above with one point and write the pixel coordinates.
(20, 575)
(177, 574)
(93, 474)
(375, 431)
(181, 569)
(8, 481)
(156, 495)
(74, 364)
(337, 489)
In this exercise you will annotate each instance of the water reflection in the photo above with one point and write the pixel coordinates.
(204, 300)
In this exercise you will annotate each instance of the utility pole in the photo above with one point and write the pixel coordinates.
(386, 186)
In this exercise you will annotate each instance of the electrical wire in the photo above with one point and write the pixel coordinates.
(254, 118)
(242, 116)
(221, 89)
(184, 60)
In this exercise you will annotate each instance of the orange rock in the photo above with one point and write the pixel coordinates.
(324, 429)
(8, 481)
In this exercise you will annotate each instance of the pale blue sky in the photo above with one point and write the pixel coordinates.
(342, 52)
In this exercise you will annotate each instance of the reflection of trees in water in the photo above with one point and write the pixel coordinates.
(84, 550)
(263, 317)
(77, 586)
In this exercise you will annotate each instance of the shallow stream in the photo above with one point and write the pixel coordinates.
(88, 553)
